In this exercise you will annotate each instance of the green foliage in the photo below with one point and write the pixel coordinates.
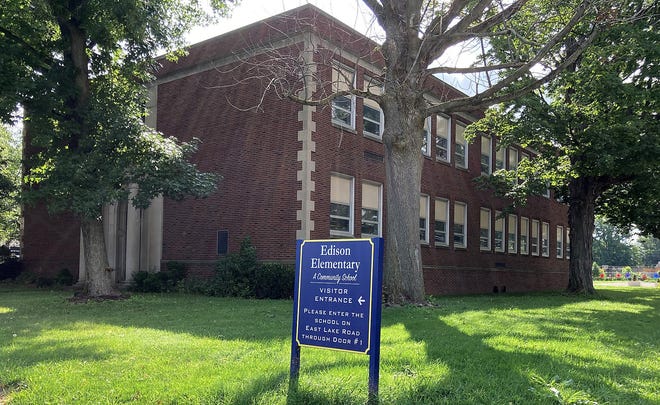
(595, 270)
(162, 281)
(612, 246)
(10, 268)
(242, 275)
(597, 122)
(235, 275)
(274, 281)
(10, 182)
(84, 105)
(64, 277)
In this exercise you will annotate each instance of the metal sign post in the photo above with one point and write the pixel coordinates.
(337, 300)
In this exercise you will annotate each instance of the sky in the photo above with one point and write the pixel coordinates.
(351, 12)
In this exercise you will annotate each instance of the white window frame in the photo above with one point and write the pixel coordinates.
(500, 221)
(512, 159)
(560, 242)
(436, 228)
(489, 164)
(379, 221)
(373, 87)
(512, 234)
(545, 239)
(351, 207)
(535, 248)
(524, 236)
(568, 243)
(339, 83)
(374, 106)
(426, 146)
(500, 157)
(424, 209)
(463, 244)
(443, 122)
(457, 155)
(484, 219)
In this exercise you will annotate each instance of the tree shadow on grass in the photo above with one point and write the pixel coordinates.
(496, 364)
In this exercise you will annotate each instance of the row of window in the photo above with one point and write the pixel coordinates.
(506, 233)
(500, 233)
(344, 115)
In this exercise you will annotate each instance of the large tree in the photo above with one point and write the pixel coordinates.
(79, 70)
(420, 39)
(10, 182)
(611, 245)
(597, 133)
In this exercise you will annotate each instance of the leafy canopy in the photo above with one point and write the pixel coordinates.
(79, 69)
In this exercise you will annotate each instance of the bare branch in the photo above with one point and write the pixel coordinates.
(490, 97)
(474, 69)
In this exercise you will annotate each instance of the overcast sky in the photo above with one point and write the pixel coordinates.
(351, 12)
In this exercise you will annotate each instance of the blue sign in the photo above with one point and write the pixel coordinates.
(335, 283)
(337, 300)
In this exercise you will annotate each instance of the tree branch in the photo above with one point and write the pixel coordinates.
(474, 69)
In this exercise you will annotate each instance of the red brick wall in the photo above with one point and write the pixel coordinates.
(50, 242)
(256, 153)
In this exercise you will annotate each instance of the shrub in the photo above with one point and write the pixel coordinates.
(235, 274)
(275, 281)
(10, 268)
(595, 269)
(162, 281)
(64, 277)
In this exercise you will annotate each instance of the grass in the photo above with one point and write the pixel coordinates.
(187, 349)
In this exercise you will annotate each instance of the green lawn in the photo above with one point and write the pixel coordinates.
(186, 349)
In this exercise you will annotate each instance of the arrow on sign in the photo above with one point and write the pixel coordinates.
(361, 300)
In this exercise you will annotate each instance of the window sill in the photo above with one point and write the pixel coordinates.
(373, 137)
(344, 127)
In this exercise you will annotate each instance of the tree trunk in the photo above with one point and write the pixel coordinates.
(403, 274)
(100, 280)
(581, 216)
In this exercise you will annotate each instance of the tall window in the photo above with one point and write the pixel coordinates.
(371, 210)
(513, 159)
(486, 155)
(513, 162)
(343, 107)
(442, 138)
(499, 232)
(372, 119)
(512, 235)
(424, 219)
(441, 227)
(341, 205)
(568, 243)
(545, 239)
(460, 147)
(524, 236)
(560, 242)
(460, 225)
(535, 237)
(484, 229)
(499, 158)
(426, 137)
(372, 114)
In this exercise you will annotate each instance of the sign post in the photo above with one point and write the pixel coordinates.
(337, 300)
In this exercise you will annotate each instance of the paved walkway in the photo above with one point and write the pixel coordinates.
(625, 284)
